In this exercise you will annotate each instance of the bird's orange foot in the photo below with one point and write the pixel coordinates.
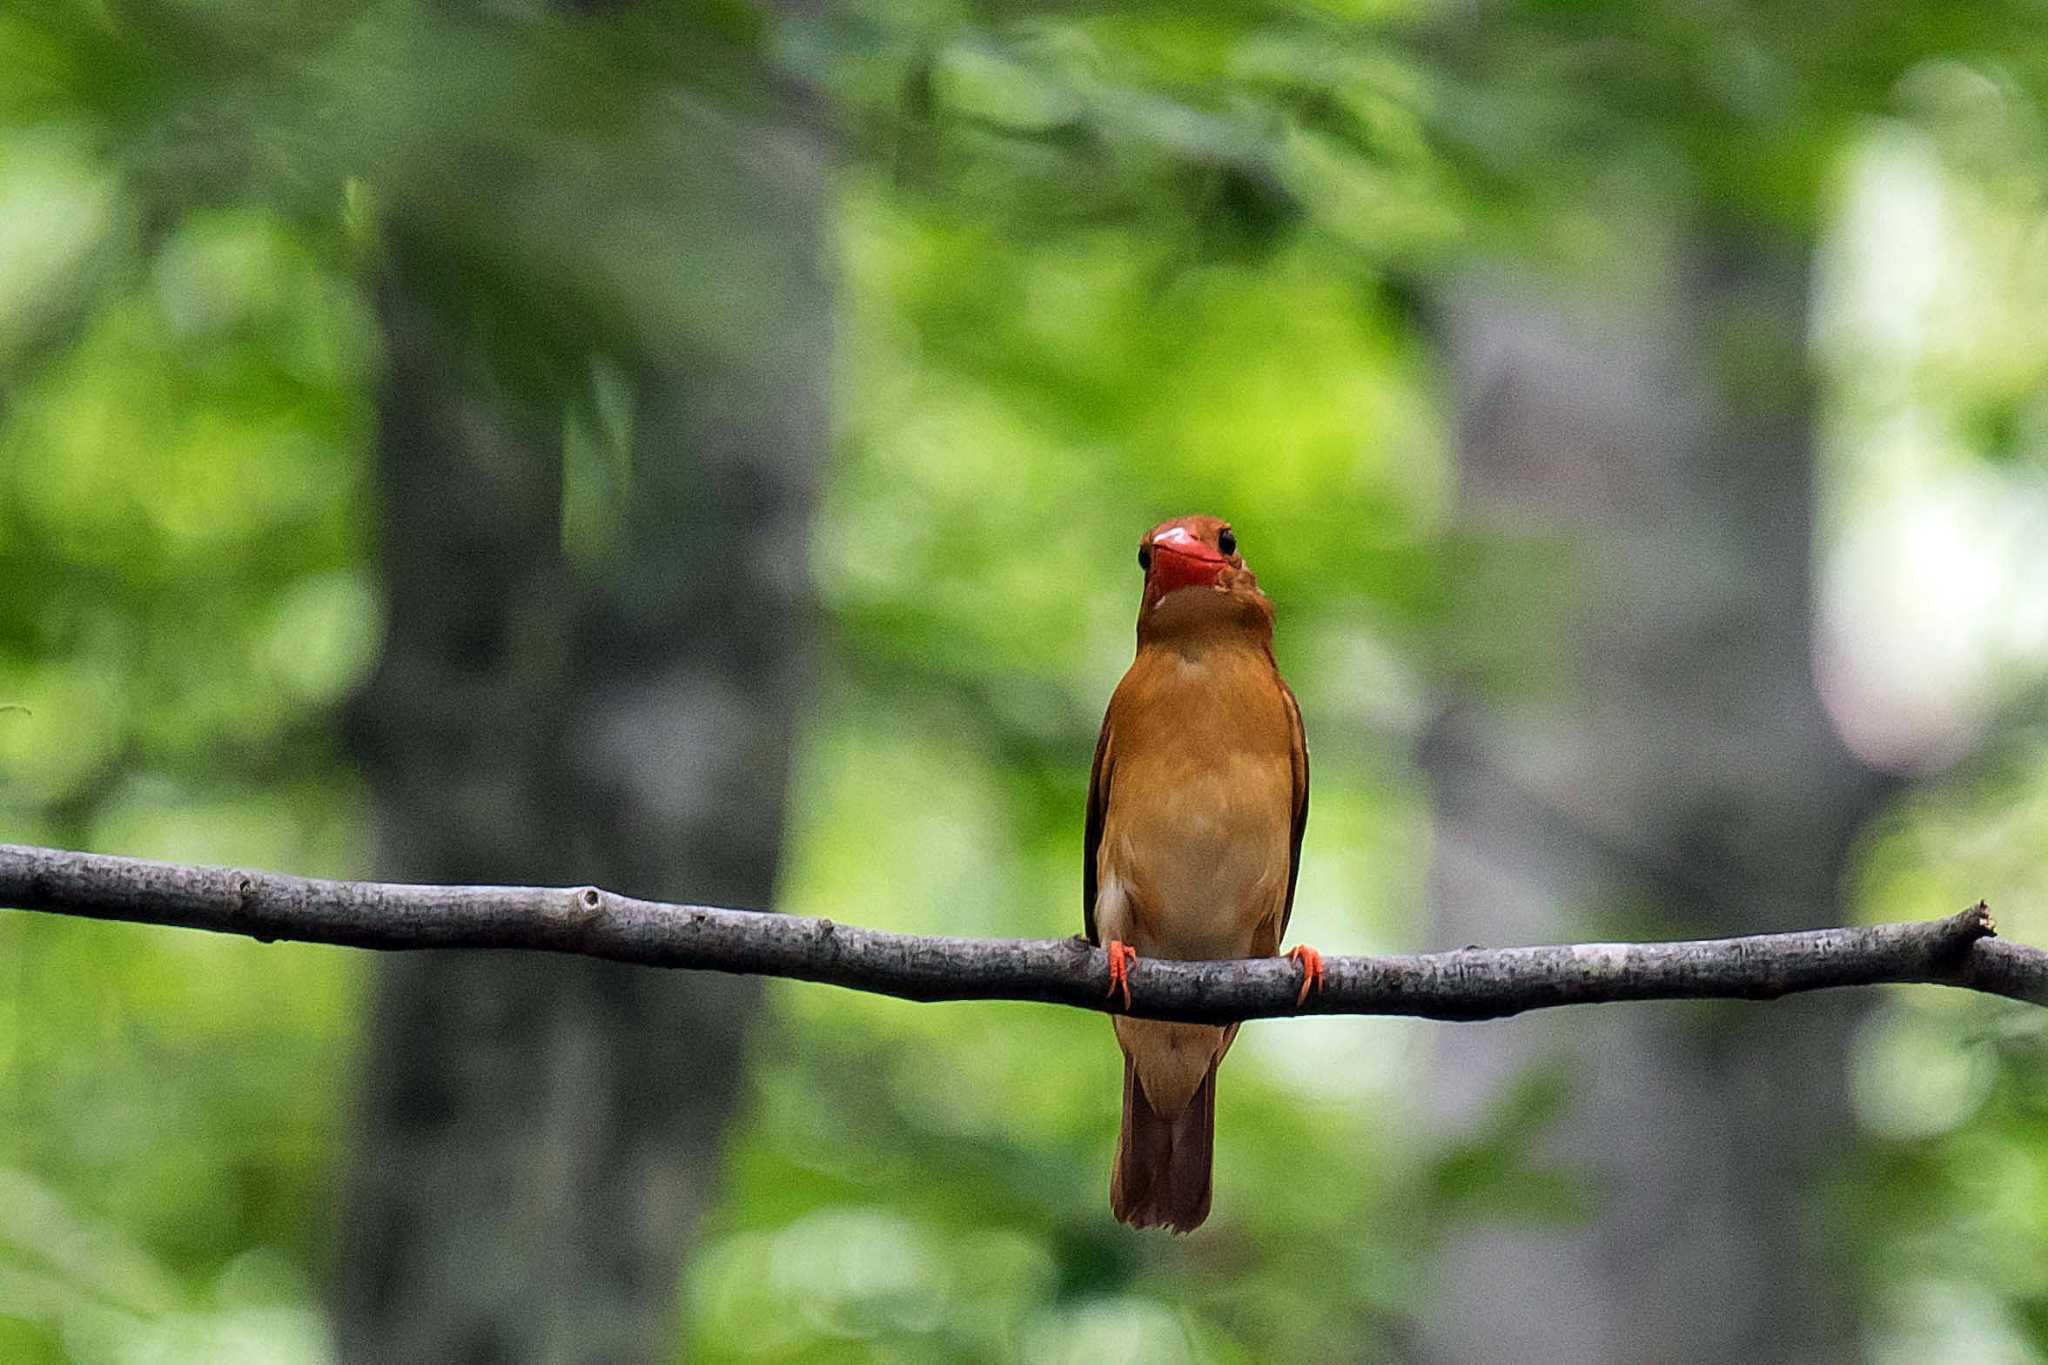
(1311, 970)
(1122, 957)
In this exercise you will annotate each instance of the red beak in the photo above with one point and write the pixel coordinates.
(1181, 561)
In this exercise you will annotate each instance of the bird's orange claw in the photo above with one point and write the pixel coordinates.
(1311, 970)
(1122, 957)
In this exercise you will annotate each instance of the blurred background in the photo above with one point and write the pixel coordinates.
(697, 447)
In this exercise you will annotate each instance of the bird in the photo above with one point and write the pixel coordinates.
(1196, 806)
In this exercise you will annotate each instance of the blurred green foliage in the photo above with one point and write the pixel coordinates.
(1098, 266)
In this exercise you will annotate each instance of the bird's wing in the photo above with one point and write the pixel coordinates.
(1298, 757)
(1091, 838)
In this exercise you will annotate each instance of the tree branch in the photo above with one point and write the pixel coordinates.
(1472, 983)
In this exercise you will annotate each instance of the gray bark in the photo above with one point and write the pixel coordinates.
(1469, 984)
(1678, 765)
(539, 1137)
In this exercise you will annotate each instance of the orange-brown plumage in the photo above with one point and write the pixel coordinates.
(1195, 815)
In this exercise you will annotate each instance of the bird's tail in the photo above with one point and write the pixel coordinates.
(1161, 1177)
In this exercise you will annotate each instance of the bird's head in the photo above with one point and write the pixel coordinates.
(1187, 552)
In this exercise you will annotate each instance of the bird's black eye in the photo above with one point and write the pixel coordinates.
(1145, 558)
(1226, 541)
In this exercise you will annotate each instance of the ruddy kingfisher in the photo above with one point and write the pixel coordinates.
(1196, 807)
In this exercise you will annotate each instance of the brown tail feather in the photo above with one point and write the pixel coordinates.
(1161, 1178)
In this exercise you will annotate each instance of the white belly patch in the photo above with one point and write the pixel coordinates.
(1113, 910)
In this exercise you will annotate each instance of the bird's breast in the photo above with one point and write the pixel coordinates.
(1197, 835)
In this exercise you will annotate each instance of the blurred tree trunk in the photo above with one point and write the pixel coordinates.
(1674, 775)
(539, 1136)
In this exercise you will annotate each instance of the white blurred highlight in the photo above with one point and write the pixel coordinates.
(1932, 587)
